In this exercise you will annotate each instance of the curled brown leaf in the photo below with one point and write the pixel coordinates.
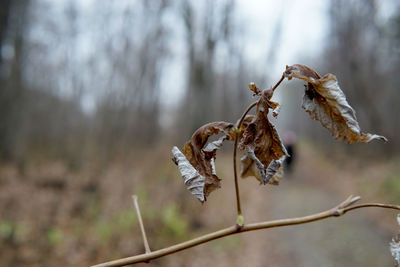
(265, 152)
(201, 156)
(325, 101)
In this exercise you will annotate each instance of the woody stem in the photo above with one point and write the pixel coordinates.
(239, 209)
(145, 242)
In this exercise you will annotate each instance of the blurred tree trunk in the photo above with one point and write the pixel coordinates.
(199, 93)
(129, 107)
(13, 92)
(210, 91)
(5, 7)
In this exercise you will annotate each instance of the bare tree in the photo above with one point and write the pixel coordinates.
(208, 26)
(12, 92)
(128, 111)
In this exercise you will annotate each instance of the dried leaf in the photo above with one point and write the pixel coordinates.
(275, 108)
(395, 248)
(245, 123)
(202, 157)
(265, 152)
(325, 101)
(191, 177)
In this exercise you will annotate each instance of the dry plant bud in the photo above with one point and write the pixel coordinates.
(395, 244)
(253, 87)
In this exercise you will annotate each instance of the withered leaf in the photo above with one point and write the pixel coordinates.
(191, 177)
(201, 158)
(325, 101)
(275, 108)
(265, 152)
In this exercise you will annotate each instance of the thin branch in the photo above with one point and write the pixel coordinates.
(146, 244)
(239, 209)
(278, 83)
(339, 210)
(368, 205)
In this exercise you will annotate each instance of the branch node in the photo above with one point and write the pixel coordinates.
(238, 228)
(240, 221)
(354, 200)
(338, 212)
(348, 202)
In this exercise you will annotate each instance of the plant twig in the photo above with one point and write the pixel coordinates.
(339, 210)
(146, 244)
(278, 83)
(239, 209)
(369, 205)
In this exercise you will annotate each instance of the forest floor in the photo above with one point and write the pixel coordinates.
(51, 216)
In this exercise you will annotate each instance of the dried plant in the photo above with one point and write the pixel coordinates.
(258, 138)
(264, 153)
(395, 245)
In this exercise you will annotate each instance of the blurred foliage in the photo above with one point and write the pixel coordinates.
(127, 220)
(7, 229)
(175, 226)
(55, 236)
(391, 186)
(104, 230)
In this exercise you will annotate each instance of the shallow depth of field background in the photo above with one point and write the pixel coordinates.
(94, 94)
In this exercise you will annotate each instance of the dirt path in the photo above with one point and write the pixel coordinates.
(356, 239)
(351, 240)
